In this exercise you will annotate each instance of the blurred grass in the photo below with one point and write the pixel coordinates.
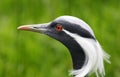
(27, 54)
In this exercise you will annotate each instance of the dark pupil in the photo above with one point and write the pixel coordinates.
(59, 27)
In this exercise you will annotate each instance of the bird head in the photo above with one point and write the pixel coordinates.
(57, 28)
(78, 37)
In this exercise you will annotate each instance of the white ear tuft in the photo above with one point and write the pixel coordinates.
(95, 56)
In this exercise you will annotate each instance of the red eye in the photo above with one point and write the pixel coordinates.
(59, 27)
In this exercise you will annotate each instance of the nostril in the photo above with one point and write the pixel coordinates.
(34, 27)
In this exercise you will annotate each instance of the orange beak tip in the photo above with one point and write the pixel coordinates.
(23, 28)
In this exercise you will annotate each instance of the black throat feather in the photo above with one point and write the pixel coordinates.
(77, 54)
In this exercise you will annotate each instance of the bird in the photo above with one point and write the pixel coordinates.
(87, 54)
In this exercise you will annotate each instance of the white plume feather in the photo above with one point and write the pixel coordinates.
(95, 56)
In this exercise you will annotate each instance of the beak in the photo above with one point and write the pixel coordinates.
(41, 28)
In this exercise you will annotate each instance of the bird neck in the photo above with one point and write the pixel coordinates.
(77, 54)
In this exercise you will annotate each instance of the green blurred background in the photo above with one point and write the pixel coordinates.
(28, 54)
